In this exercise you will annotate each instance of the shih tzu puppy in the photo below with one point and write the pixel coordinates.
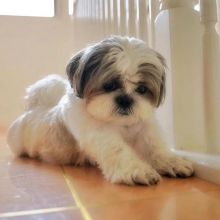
(103, 116)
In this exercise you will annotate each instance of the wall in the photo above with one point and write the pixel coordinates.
(30, 48)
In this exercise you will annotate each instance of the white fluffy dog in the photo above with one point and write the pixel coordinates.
(104, 116)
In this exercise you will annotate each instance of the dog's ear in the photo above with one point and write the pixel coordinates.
(162, 90)
(72, 67)
(163, 80)
(84, 68)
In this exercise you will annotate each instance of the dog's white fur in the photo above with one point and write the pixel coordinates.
(61, 128)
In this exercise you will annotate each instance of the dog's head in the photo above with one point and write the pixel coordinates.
(120, 79)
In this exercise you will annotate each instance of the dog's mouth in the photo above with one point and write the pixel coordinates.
(124, 112)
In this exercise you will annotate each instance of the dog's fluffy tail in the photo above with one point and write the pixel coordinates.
(46, 92)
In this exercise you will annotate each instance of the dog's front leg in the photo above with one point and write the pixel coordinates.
(118, 162)
(153, 149)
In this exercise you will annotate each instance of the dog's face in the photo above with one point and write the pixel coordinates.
(120, 79)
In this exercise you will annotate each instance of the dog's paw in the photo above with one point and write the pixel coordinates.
(173, 166)
(135, 173)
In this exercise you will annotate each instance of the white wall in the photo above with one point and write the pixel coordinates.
(30, 48)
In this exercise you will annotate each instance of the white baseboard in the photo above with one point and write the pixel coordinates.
(206, 166)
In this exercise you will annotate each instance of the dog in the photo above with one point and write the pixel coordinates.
(103, 115)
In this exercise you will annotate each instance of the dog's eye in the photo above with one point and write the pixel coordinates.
(111, 86)
(141, 89)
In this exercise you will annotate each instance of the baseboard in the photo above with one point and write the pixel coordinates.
(206, 166)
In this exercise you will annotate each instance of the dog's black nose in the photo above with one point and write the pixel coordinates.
(124, 101)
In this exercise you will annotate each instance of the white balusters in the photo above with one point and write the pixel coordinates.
(116, 17)
(132, 17)
(143, 17)
(211, 71)
(154, 8)
(122, 18)
(88, 3)
(71, 7)
(93, 8)
(110, 16)
(61, 9)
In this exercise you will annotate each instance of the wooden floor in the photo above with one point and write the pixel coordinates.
(33, 190)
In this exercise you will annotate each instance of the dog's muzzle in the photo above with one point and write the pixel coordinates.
(124, 104)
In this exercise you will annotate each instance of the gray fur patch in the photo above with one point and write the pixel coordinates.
(88, 70)
(154, 79)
